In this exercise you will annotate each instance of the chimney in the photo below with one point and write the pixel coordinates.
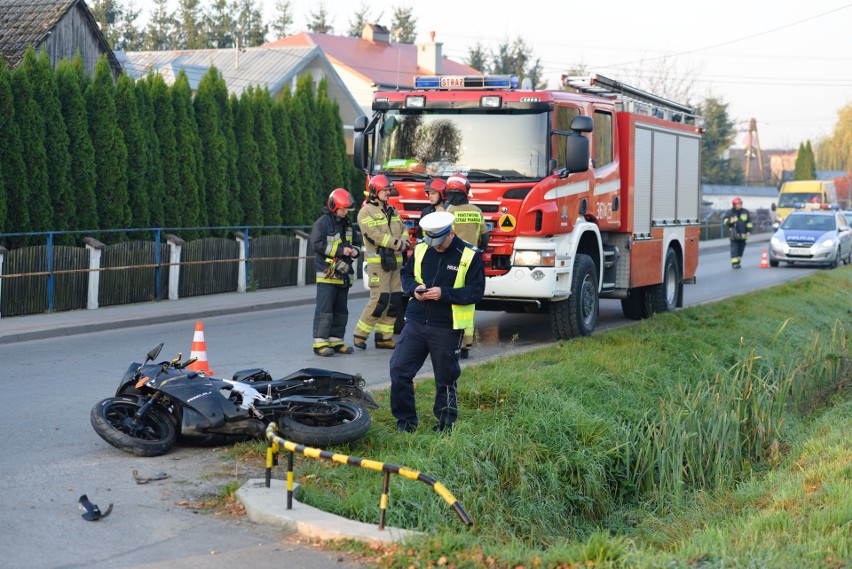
(375, 33)
(429, 55)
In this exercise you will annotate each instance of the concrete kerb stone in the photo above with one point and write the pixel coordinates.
(269, 506)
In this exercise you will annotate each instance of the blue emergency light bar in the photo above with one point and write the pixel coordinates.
(466, 82)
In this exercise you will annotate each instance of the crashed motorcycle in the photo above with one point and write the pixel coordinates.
(157, 404)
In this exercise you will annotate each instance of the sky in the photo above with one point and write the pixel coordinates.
(785, 63)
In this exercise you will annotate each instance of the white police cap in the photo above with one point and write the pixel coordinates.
(436, 226)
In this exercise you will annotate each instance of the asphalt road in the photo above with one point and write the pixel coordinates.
(51, 455)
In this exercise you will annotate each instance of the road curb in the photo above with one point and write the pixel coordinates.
(269, 506)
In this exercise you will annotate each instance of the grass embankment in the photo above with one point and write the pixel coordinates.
(715, 436)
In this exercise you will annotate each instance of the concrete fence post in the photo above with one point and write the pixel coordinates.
(241, 271)
(303, 257)
(3, 252)
(174, 264)
(95, 249)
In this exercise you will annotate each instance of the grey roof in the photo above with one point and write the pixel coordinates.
(756, 191)
(272, 68)
(28, 22)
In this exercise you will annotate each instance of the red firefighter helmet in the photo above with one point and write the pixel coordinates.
(458, 183)
(380, 182)
(436, 185)
(340, 199)
(737, 201)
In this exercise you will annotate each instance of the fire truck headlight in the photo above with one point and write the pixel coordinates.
(417, 102)
(535, 258)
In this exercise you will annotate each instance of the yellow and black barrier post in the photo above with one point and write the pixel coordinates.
(274, 444)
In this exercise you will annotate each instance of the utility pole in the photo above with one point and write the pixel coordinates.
(752, 151)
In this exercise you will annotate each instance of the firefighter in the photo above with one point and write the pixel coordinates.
(335, 248)
(446, 278)
(469, 226)
(385, 239)
(435, 190)
(739, 222)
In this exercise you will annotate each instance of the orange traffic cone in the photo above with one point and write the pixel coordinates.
(199, 350)
(764, 260)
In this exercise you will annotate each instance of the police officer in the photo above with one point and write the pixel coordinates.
(446, 278)
(469, 225)
(335, 248)
(739, 223)
(385, 238)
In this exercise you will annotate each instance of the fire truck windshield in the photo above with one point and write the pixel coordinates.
(440, 143)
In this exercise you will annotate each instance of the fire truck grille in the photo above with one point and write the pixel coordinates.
(500, 262)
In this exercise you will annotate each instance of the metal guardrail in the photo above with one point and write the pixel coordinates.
(274, 443)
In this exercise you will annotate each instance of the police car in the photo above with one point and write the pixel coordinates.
(813, 237)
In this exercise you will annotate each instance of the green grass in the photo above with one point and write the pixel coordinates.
(715, 436)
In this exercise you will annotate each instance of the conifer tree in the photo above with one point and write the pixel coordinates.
(55, 142)
(288, 163)
(164, 124)
(330, 133)
(235, 206)
(110, 152)
(14, 214)
(82, 177)
(270, 177)
(805, 167)
(154, 170)
(314, 194)
(247, 161)
(226, 123)
(31, 126)
(137, 151)
(213, 149)
(189, 165)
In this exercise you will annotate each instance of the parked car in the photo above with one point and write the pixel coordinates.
(814, 237)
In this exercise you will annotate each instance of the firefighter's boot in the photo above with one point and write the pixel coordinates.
(385, 344)
(360, 342)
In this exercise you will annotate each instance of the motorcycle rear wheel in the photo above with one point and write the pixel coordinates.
(324, 424)
(111, 420)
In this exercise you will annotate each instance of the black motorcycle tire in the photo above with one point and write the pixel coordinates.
(156, 438)
(323, 425)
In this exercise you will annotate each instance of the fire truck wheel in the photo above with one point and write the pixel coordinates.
(578, 315)
(665, 296)
(637, 305)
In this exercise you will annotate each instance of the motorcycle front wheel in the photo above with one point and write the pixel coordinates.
(112, 419)
(325, 423)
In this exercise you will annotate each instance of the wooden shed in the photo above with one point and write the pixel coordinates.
(59, 27)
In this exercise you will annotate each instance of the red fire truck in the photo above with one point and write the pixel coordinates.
(589, 192)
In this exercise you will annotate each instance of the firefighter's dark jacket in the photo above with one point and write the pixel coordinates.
(329, 235)
(439, 269)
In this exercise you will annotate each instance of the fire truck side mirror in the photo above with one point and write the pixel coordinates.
(360, 123)
(582, 123)
(576, 153)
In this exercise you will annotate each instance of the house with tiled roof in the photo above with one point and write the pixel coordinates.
(373, 62)
(59, 27)
(273, 68)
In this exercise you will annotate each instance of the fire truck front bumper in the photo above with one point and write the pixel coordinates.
(533, 283)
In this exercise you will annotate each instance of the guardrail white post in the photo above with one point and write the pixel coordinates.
(3, 252)
(303, 255)
(95, 248)
(174, 265)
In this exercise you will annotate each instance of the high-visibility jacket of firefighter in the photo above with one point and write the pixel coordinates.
(381, 226)
(469, 224)
(739, 222)
(329, 236)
